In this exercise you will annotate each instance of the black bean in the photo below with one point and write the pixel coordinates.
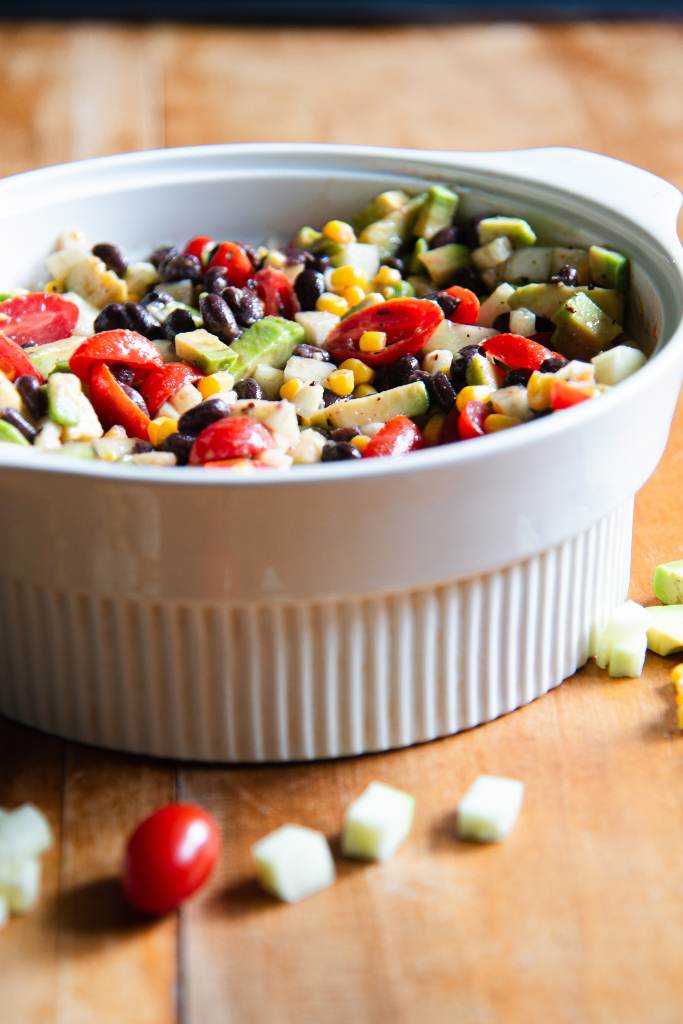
(395, 263)
(502, 323)
(428, 381)
(472, 232)
(460, 364)
(163, 252)
(218, 317)
(245, 305)
(136, 397)
(443, 392)
(544, 325)
(553, 364)
(402, 370)
(203, 415)
(215, 280)
(248, 388)
(469, 279)
(142, 447)
(112, 256)
(311, 352)
(448, 303)
(138, 319)
(177, 322)
(123, 374)
(20, 422)
(309, 286)
(446, 237)
(338, 451)
(252, 254)
(516, 378)
(344, 433)
(34, 396)
(180, 445)
(566, 275)
(329, 398)
(159, 298)
(180, 267)
(111, 318)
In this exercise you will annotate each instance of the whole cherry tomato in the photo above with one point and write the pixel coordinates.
(38, 318)
(114, 406)
(407, 323)
(163, 382)
(169, 856)
(237, 437)
(276, 292)
(468, 305)
(471, 420)
(200, 246)
(563, 395)
(14, 362)
(397, 437)
(125, 348)
(234, 260)
(516, 352)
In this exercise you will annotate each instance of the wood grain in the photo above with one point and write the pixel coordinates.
(578, 918)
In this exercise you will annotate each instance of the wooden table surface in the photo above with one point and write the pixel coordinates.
(579, 916)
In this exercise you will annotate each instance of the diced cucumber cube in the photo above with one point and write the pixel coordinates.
(24, 833)
(618, 363)
(665, 628)
(377, 822)
(518, 231)
(293, 862)
(488, 811)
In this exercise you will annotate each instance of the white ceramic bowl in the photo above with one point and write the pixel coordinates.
(335, 609)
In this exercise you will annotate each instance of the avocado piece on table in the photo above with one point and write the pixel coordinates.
(407, 400)
(608, 268)
(444, 262)
(383, 204)
(518, 231)
(64, 398)
(665, 628)
(582, 329)
(546, 299)
(437, 212)
(205, 351)
(667, 582)
(270, 340)
(391, 232)
(55, 355)
(10, 434)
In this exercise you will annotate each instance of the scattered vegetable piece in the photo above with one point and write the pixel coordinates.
(667, 582)
(377, 822)
(677, 680)
(620, 645)
(665, 628)
(488, 811)
(293, 862)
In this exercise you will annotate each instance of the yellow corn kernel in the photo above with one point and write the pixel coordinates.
(341, 382)
(363, 390)
(331, 303)
(677, 674)
(276, 259)
(372, 341)
(361, 442)
(291, 388)
(497, 421)
(339, 231)
(215, 383)
(677, 680)
(386, 276)
(473, 393)
(354, 294)
(362, 374)
(161, 428)
(433, 427)
(538, 390)
(54, 287)
(346, 276)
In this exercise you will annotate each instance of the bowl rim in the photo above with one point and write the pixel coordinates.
(443, 457)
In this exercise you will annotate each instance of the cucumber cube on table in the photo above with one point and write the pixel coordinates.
(665, 628)
(488, 811)
(20, 884)
(293, 862)
(377, 822)
(620, 645)
(668, 582)
(24, 833)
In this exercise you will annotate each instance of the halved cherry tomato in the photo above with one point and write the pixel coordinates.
(169, 856)
(471, 420)
(199, 246)
(235, 438)
(163, 382)
(468, 305)
(38, 318)
(113, 405)
(516, 352)
(563, 395)
(449, 430)
(14, 362)
(276, 292)
(398, 436)
(237, 265)
(407, 323)
(127, 348)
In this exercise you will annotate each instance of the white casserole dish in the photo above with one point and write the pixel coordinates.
(342, 608)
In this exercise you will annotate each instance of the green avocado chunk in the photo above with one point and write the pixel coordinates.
(546, 299)
(270, 340)
(480, 371)
(53, 356)
(444, 263)
(582, 328)
(665, 628)
(392, 231)
(205, 351)
(415, 266)
(608, 268)
(9, 433)
(64, 399)
(406, 400)
(518, 231)
(379, 207)
(438, 210)
(667, 582)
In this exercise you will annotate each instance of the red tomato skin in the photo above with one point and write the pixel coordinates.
(471, 420)
(234, 260)
(564, 396)
(163, 382)
(38, 318)
(125, 347)
(169, 856)
(113, 405)
(198, 246)
(468, 310)
(398, 436)
(449, 431)
(276, 292)
(407, 323)
(14, 362)
(516, 352)
(237, 437)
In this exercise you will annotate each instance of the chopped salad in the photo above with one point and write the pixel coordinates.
(407, 327)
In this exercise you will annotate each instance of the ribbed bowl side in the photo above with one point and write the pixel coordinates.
(291, 681)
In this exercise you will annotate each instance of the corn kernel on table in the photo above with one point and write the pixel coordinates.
(578, 917)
